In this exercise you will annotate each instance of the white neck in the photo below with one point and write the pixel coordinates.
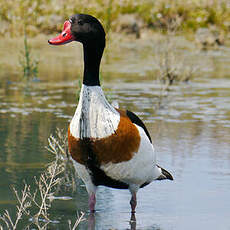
(94, 116)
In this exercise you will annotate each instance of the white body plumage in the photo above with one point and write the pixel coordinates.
(98, 119)
(94, 116)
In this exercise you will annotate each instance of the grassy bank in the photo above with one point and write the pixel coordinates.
(47, 16)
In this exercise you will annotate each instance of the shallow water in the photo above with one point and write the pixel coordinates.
(190, 129)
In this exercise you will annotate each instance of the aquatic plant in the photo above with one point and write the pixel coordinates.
(35, 205)
(28, 64)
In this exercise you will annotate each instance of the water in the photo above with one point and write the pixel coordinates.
(190, 129)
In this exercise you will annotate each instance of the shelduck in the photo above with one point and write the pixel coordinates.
(109, 146)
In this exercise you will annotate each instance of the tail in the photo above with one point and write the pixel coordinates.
(164, 174)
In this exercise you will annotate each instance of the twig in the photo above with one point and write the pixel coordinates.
(47, 184)
(77, 222)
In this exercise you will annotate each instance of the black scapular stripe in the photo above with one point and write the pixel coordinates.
(98, 176)
(136, 120)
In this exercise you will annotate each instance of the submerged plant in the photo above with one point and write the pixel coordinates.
(28, 64)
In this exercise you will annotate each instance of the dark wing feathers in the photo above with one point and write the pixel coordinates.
(136, 120)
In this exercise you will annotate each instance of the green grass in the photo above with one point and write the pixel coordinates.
(28, 64)
(46, 16)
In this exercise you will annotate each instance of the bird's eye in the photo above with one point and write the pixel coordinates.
(80, 22)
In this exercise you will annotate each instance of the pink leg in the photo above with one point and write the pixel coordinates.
(133, 202)
(92, 202)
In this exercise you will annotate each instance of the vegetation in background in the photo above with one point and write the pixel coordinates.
(170, 66)
(35, 205)
(46, 16)
(171, 69)
(27, 63)
(108, 16)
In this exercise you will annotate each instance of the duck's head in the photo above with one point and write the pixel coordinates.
(82, 28)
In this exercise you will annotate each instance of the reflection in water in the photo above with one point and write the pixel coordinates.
(191, 135)
(132, 222)
(93, 222)
(92, 219)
